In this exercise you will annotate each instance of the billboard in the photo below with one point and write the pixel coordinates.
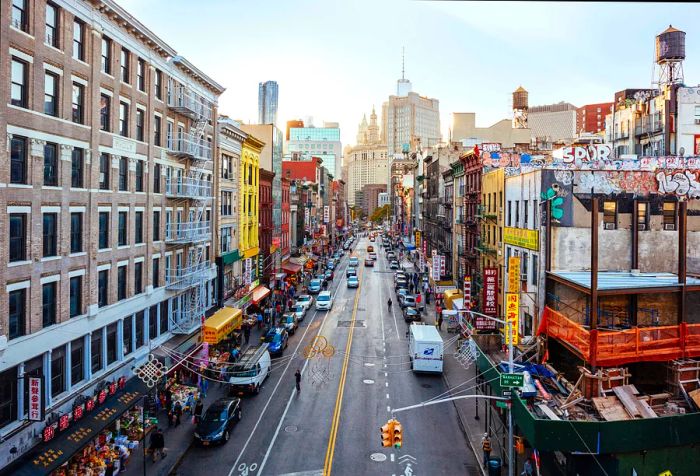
(522, 237)
(512, 317)
(490, 298)
(514, 274)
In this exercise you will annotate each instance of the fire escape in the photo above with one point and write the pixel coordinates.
(190, 190)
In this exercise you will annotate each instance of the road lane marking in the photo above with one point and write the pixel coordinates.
(392, 457)
(387, 395)
(387, 383)
(262, 413)
(330, 451)
(388, 408)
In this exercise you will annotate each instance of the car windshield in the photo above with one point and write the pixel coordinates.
(289, 319)
(324, 298)
(315, 282)
(304, 298)
(217, 414)
(298, 308)
(239, 370)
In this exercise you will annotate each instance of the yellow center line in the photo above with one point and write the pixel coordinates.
(330, 451)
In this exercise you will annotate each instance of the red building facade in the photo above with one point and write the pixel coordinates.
(591, 117)
(265, 217)
(284, 245)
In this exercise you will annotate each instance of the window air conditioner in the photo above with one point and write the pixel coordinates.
(641, 227)
(608, 226)
(523, 277)
(697, 120)
(669, 226)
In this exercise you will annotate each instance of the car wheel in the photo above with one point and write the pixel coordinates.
(227, 435)
(256, 390)
(239, 414)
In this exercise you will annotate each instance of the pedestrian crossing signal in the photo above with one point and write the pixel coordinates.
(386, 431)
(398, 436)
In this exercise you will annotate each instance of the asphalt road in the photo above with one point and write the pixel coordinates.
(315, 432)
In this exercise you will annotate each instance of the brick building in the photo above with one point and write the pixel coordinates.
(285, 238)
(265, 216)
(370, 197)
(105, 198)
(591, 117)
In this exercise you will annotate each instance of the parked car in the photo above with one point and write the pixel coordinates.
(305, 300)
(250, 371)
(299, 310)
(353, 282)
(369, 262)
(394, 265)
(410, 314)
(354, 261)
(350, 271)
(400, 274)
(390, 255)
(218, 421)
(324, 302)
(290, 323)
(278, 340)
(329, 275)
(400, 293)
(315, 286)
(400, 283)
(373, 255)
(408, 300)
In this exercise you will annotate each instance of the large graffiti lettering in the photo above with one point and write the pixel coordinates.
(636, 183)
(682, 183)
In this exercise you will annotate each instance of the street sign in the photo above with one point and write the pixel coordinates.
(512, 380)
(507, 393)
(501, 404)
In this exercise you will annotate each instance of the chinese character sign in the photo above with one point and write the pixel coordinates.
(35, 408)
(326, 214)
(512, 317)
(467, 292)
(442, 265)
(490, 291)
(436, 268)
(514, 274)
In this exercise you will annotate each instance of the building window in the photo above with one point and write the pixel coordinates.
(102, 288)
(156, 272)
(19, 86)
(17, 301)
(50, 94)
(18, 237)
(78, 38)
(76, 296)
(123, 174)
(51, 165)
(125, 65)
(157, 172)
(77, 166)
(104, 171)
(103, 238)
(163, 317)
(8, 396)
(153, 322)
(141, 75)
(535, 214)
(58, 371)
(517, 213)
(78, 102)
(48, 304)
(123, 238)
(609, 214)
(106, 55)
(111, 344)
(52, 25)
(139, 329)
(526, 214)
(76, 232)
(123, 119)
(18, 160)
(127, 332)
(157, 125)
(77, 364)
(20, 16)
(156, 225)
(138, 277)
(140, 113)
(158, 84)
(139, 176)
(105, 106)
(226, 203)
(669, 214)
(50, 232)
(138, 228)
(96, 349)
(225, 240)
(121, 283)
(642, 216)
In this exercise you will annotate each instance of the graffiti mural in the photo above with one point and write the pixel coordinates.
(680, 183)
(557, 188)
(635, 183)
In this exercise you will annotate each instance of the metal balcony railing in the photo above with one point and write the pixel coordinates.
(186, 320)
(649, 124)
(184, 278)
(183, 100)
(187, 232)
(183, 144)
(188, 188)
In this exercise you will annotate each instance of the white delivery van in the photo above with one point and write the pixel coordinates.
(248, 374)
(425, 348)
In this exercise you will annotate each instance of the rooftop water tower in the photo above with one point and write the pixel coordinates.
(520, 108)
(670, 53)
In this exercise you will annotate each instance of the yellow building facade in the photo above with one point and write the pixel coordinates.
(491, 222)
(248, 244)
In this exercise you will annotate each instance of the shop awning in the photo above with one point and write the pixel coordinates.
(291, 268)
(46, 457)
(260, 293)
(231, 257)
(220, 324)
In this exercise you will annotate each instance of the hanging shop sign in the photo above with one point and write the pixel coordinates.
(522, 238)
(512, 317)
(417, 238)
(36, 408)
(467, 291)
(514, 274)
(490, 291)
(326, 214)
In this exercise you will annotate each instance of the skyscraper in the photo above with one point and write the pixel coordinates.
(267, 102)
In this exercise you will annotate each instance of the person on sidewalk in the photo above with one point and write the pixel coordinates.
(198, 410)
(486, 447)
(527, 468)
(260, 321)
(439, 322)
(177, 412)
(157, 444)
(297, 377)
(246, 334)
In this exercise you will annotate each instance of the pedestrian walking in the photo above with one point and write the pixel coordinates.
(527, 468)
(198, 410)
(439, 322)
(260, 321)
(177, 411)
(157, 444)
(246, 334)
(297, 377)
(486, 447)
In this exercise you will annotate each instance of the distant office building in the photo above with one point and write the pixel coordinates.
(323, 142)
(410, 120)
(383, 199)
(267, 102)
(502, 132)
(553, 122)
(290, 124)
(370, 196)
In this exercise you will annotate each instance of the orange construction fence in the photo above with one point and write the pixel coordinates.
(611, 348)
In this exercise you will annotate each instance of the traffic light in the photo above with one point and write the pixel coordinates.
(386, 431)
(398, 437)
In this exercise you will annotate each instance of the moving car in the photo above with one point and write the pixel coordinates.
(369, 262)
(218, 420)
(315, 286)
(353, 282)
(350, 271)
(394, 265)
(324, 302)
(410, 314)
(290, 323)
(373, 255)
(329, 275)
(278, 339)
(299, 310)
(305, 300)
(354, 261)
(248, 374)
(390, 255)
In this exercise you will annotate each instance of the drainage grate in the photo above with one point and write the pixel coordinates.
(291, 428)
(350, 324)
(377, 457)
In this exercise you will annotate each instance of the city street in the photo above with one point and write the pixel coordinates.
(283, 433)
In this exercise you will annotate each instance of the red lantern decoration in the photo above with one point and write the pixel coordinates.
(77, 412)
(121, 382)
(48, 433)
(63, 422)
(90, 404)
(101, 396)
(113, 388)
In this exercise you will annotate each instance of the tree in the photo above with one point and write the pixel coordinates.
(380, 213)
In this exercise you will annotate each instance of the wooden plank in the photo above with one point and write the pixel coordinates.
(645, 408)
(571, 403)
(695, 395)
(628, 400)
(548, 411)
(610, 408)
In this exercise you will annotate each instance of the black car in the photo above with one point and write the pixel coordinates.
(410, 314)
(218, 420)
(400, 283)
(350, 271)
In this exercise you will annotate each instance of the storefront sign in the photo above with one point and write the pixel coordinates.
(514, 274)
(512, 317)
(490, 291)
(436, 268)
(481, 323)
(522, 238)
(442, 265)
(467, 291)
(64, 421)
(417, 238)
(36, 409)
(326, 214)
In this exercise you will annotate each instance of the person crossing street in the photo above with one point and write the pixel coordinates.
(297, 378)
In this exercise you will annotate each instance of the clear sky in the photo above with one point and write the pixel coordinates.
(334, 59)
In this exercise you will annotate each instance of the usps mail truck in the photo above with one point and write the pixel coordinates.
(425, 348)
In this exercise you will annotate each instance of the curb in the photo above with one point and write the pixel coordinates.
(172, 471)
